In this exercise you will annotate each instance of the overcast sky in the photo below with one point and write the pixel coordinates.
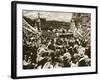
(58, 16)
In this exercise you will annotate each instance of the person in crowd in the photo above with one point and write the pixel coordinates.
(51, 45)
(67, 60)
(85, 61)
(75, 60)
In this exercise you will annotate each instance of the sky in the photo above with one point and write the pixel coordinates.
(58, 16)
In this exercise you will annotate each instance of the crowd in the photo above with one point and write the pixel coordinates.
(40, 51)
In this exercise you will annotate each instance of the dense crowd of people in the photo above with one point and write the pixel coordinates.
(62, 50)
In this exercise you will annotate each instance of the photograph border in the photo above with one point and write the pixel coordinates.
(14, 38)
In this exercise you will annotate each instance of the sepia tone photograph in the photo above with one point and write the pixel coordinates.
(53, 40)
(56, 39)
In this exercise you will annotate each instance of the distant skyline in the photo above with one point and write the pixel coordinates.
(57, 16)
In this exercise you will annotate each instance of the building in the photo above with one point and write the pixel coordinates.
(81, 25)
